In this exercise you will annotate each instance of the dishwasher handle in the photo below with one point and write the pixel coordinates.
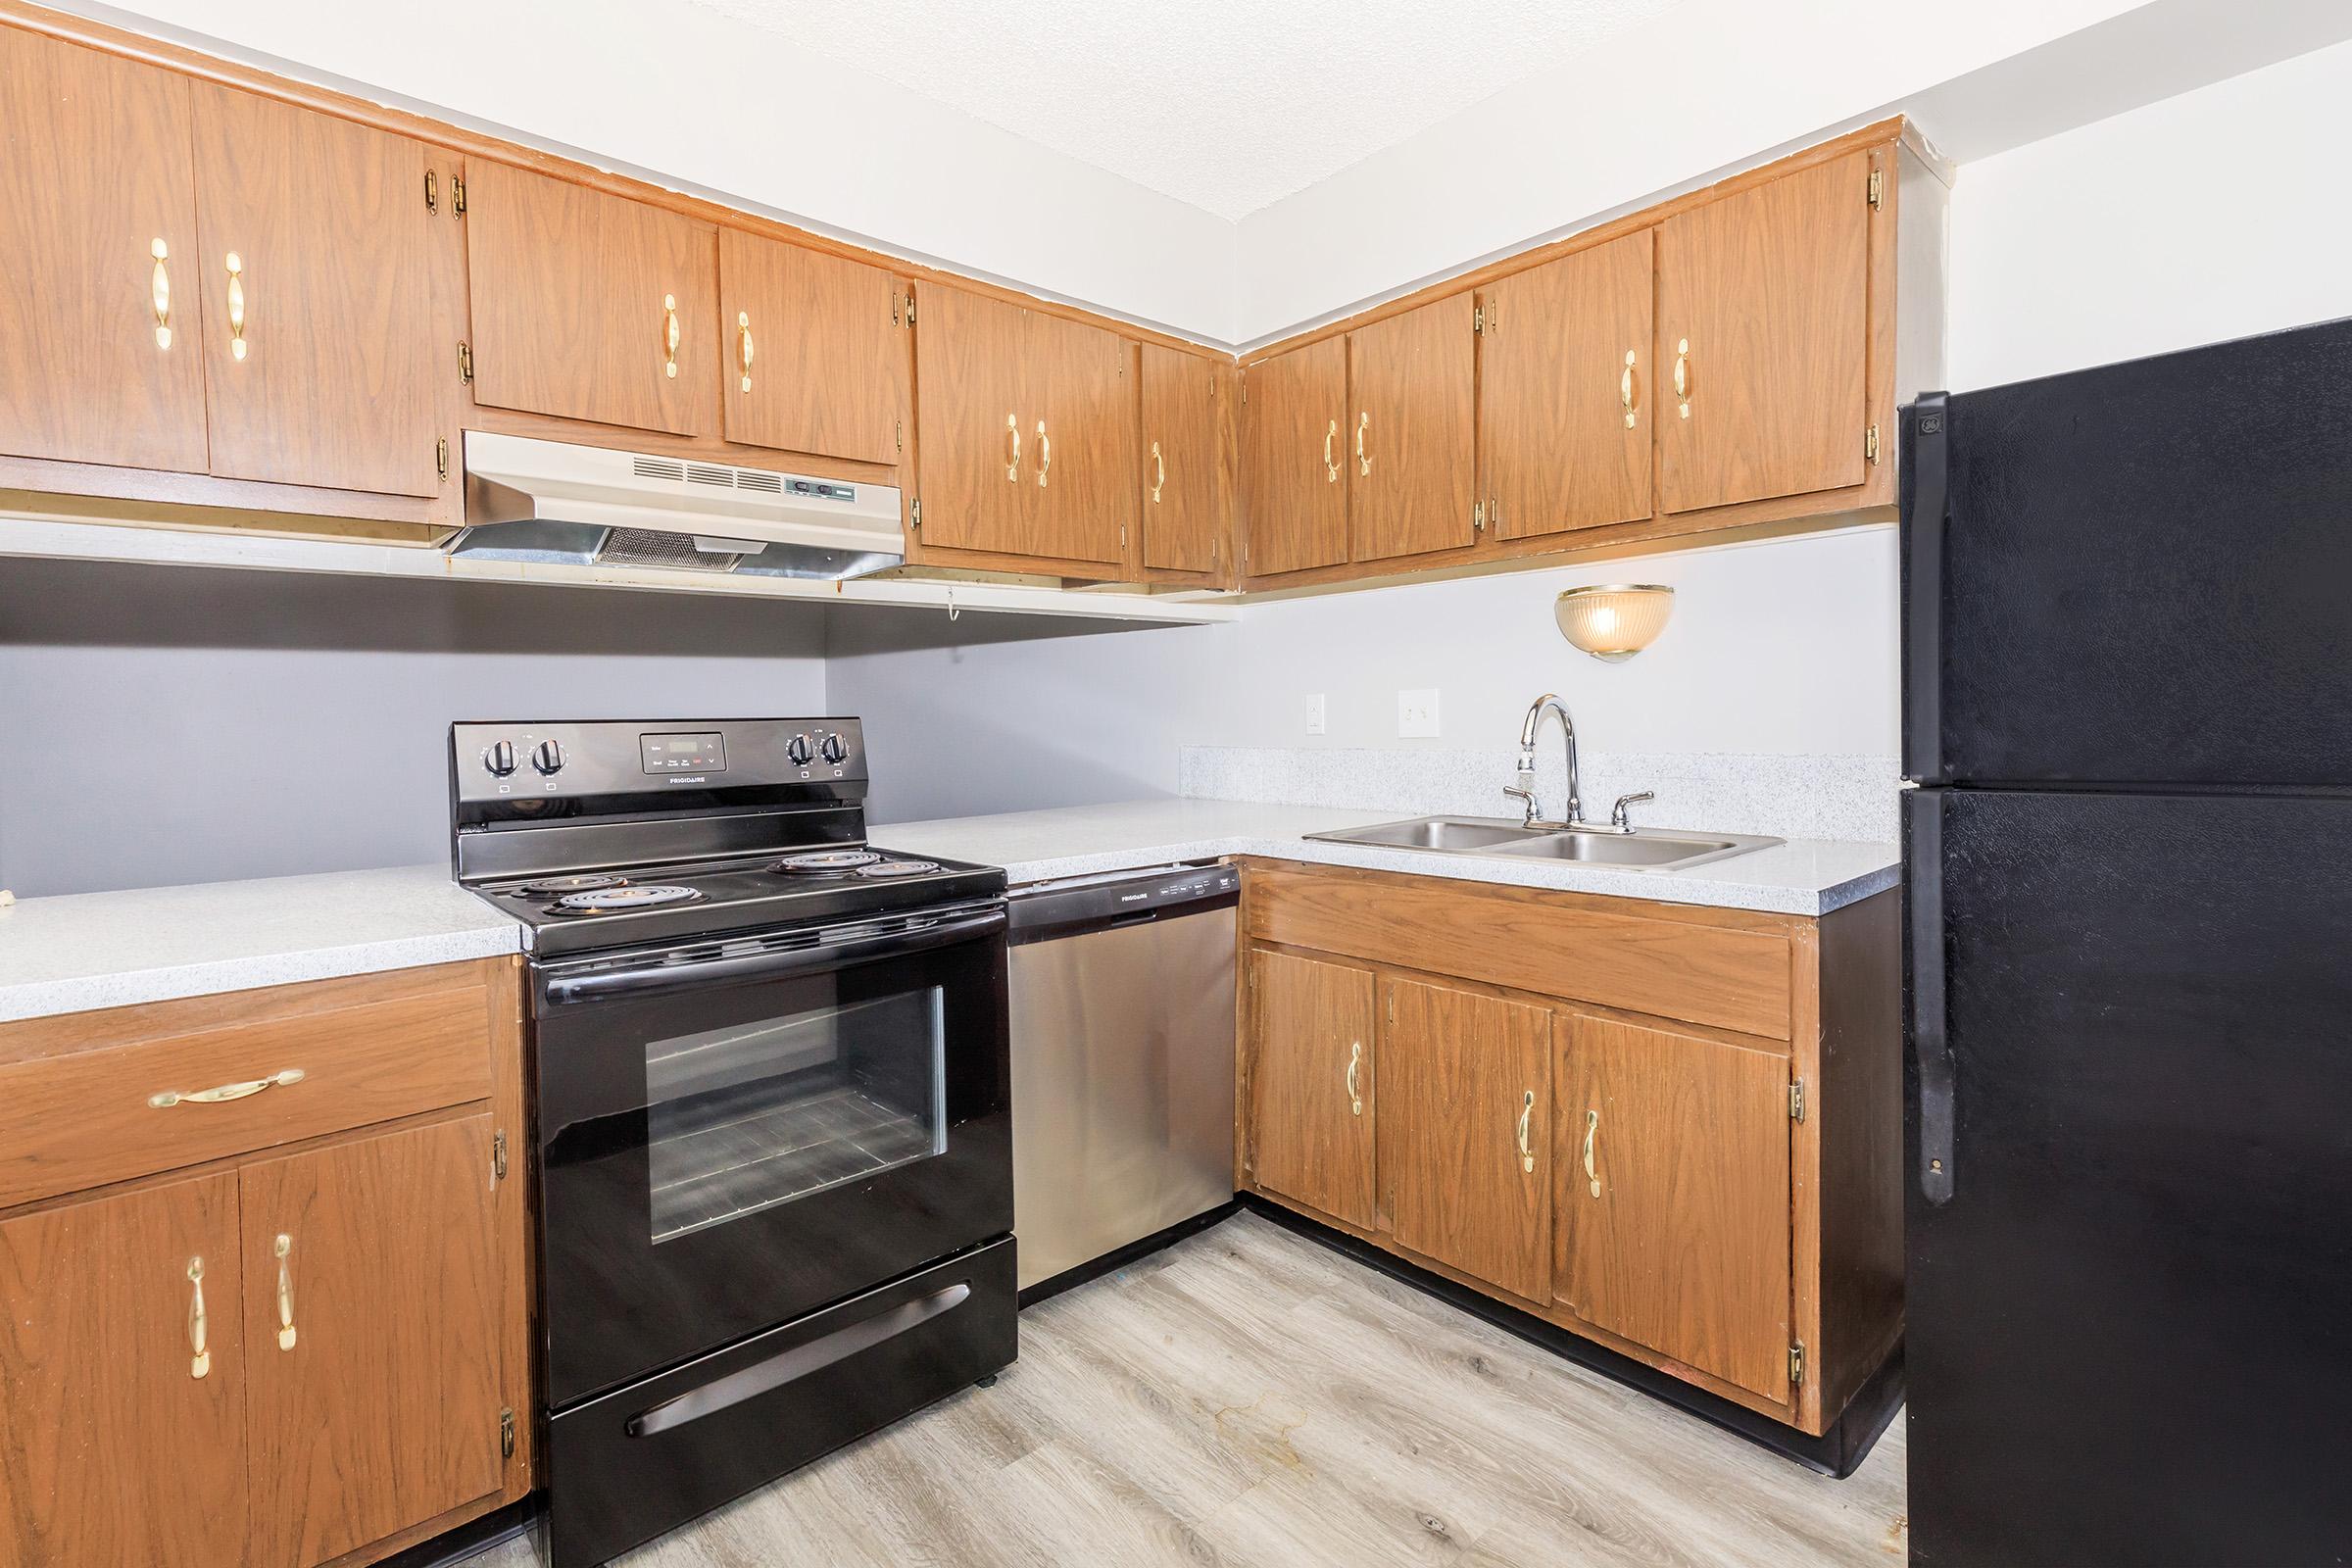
(1117, 899)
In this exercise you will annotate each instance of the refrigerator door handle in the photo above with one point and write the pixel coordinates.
(1923, 875)
(1925, 503)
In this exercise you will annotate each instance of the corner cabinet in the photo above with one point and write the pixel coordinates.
(290, 1328)
(1675, 1131)
(1188, 435)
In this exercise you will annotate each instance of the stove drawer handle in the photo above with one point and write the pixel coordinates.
(226, 1091)
(829, 953)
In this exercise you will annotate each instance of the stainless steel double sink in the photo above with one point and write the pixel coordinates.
(1640, 849)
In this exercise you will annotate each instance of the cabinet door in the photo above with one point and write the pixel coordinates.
(99, 359)
(1674, 1195)
(1764, 303)
(1464, 1134)
(1411, 436)
(1085, 427)
(1311, 1084)
(577, 298)
(1292, 447)
(372, 1317)
(320, 342)
(1188, 491)
(975, 465)
(1565, 392)
(817, 350)
(123, 1381)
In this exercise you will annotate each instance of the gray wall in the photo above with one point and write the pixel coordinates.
(161, 725)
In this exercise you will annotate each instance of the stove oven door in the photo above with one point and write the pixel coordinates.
(734, 1134)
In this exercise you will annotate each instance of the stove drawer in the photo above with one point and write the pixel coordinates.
(135, 1100)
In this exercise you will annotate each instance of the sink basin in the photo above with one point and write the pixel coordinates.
(1639, 851)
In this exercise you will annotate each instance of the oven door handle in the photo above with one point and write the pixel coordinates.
(659, 978)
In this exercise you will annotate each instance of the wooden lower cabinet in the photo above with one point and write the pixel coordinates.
(1310, 1094)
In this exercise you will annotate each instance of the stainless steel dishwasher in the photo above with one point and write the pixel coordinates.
(1122, 1061)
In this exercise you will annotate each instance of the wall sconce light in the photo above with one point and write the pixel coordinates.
(1614, 621)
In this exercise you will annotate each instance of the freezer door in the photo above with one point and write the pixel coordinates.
(2130, 1244)
(2139, 573)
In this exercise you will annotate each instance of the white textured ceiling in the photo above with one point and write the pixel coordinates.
(1227, 105)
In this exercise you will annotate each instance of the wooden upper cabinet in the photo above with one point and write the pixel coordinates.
(1083, 392)
(1764, 303)
(591, 307)
(1411, 445)
(817, 350)
(123, 1381)
(372, 1334)
(1673, 1219)
(1188, 484)
(1311, 1084)
(1566, 392)
(1465, 1132)
(100, 358)
(319, 332)
(1294, 457)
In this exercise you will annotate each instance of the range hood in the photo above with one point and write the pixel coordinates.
(552, 501)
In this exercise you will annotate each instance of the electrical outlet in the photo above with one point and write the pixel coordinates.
(1315, 714)
(1416, 715)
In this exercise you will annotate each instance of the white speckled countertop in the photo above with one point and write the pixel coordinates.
(1801, 876)
(84, 951)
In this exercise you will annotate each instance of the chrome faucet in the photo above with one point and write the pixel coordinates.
(1525, 790)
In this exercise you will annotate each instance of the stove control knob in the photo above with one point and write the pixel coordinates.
(797, 749)
(835, 749)
(499, 759)
(548, 757)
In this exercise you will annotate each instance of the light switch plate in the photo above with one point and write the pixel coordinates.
(1315, 714)
(1416, 715)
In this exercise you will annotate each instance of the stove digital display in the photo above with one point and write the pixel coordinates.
(703, 753)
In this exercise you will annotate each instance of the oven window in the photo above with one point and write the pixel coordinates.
(745, 1117)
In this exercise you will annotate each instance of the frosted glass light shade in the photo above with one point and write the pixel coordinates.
(1616, 621)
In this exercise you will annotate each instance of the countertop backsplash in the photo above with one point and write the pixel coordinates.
(1853, 798)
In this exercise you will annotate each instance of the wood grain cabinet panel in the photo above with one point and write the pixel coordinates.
(1294, 458)
(1465, 1132)
(1411, 435)
(319, 332)
(118, 1445)
(372, 1327)
(1764, 301)
(574, 294)
(1084, 466)
(95, 176)
(817, 348)
(1187, 481)
(1566, 392)
(1672, 1198)
(1313, 1084)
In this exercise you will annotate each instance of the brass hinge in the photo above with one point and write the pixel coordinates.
(1478, 319)
(910, 307)
(1796, 1100)
(1878, 188)
(1870, 444)
(441, 463)
(506, 1433)
(432, 191)
(1796, 1364)
(1477, 516)
(918, 516)
(456, 196)
(465, 363)
(1122, 538)
(498, 1155)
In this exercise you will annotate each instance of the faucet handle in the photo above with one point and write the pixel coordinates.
(1524, 793)
(1619, 818)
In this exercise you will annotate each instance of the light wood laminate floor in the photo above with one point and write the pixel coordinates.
(1249, 1397)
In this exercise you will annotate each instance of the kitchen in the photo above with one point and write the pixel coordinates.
(1293, 645)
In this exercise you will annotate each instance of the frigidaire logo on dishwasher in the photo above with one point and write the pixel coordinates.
(689, 778)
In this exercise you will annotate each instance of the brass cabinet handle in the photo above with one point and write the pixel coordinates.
(285, 1293)
(1160, 471)
(1364, 463)
(1682, 375)
(1013, 463)
(1625, 390)
(1527, 1114)
(669, 336)
(200, 1359)
(1330, 469)
(236, 304)
(1356, 1060)
(1592, 1131)
(1045, 454)
(743, 345)
(214, 1097)
(159, 286)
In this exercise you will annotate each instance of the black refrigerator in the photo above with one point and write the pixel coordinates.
(2128, 705)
